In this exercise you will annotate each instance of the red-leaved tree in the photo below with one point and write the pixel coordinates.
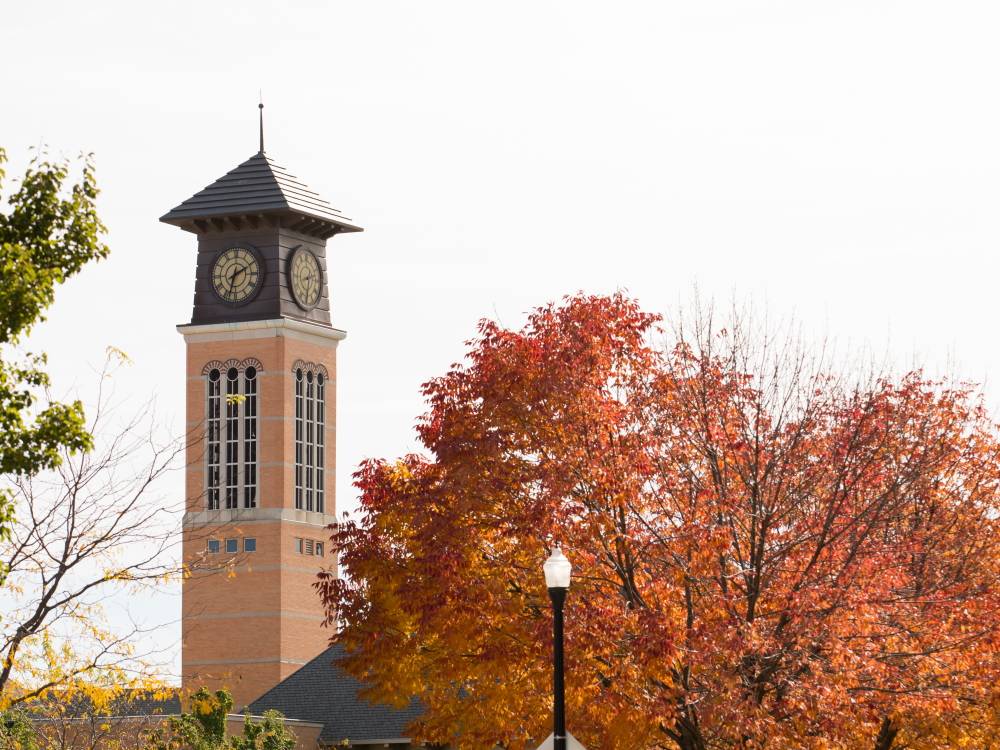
(767, 554)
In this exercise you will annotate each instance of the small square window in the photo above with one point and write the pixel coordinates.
(232, 546)
(249, 544)
(213, 546)
(298, 545)
(319, 549)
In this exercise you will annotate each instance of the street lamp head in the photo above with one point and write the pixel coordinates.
(557, 570)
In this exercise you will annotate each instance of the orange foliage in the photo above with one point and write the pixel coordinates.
(765, 556)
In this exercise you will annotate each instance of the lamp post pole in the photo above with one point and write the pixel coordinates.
(557, 576)
(558, 597)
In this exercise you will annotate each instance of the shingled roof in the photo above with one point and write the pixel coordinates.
(256, 188)
(129, 703)
(322, 692)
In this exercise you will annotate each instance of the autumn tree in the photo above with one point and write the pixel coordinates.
(49, 231)
(93, 530)
(768, 552)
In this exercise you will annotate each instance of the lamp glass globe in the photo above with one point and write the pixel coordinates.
(557, 570)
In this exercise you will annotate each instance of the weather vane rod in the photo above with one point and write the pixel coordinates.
(261, 108)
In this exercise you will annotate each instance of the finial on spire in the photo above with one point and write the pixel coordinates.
(261, 108)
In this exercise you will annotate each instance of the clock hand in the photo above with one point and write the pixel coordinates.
(232, 284)
(232, 279)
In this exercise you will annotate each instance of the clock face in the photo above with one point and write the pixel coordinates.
(306, 278)
(236, 275)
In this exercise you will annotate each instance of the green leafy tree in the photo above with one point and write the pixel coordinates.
(49, 230)
(268, 734)
(204, 728)
(201, 728)
(17, 732)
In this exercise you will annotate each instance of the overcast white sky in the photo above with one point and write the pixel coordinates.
(836, 161)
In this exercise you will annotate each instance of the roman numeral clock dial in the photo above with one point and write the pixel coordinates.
(236, 275)
(306, 278)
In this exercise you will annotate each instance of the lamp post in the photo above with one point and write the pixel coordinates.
(557, 574)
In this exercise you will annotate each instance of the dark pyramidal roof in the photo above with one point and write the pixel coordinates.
(259, 188)
(322, 692)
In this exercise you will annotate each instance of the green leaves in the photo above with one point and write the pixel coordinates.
(49, 231)
(46, 237)
(204, 728)
(17, 731)
(269, 734)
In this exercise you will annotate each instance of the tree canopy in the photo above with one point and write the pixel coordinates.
(204, 728)
(48, 232)
(768, 552)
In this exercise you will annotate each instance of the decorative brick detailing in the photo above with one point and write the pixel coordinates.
(239, 364)
(310, 367)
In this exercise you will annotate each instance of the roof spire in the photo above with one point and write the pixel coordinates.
(261, 108)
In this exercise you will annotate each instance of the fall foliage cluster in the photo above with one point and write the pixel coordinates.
(767, 553)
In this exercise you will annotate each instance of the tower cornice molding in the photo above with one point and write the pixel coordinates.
(255, 329)
(240, 516)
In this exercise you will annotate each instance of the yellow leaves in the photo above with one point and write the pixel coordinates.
(80, 666)
(203, 705)
(114, 354)
(119, 574)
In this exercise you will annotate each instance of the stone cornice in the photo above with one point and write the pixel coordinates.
(225, 517)
(254, 329)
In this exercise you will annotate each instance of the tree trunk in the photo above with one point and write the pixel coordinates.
(886, 735)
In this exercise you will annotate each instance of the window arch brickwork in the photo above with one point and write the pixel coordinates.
(239, 364)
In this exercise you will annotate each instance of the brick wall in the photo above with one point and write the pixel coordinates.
(251, 619)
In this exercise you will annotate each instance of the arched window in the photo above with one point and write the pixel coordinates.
(232, 437)
(300, 437)
(310, 437)
(214, 436)
(231, 455)
(319, 415)
(310, 441)
(250, 438)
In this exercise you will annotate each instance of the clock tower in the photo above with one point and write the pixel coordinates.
(261, 376)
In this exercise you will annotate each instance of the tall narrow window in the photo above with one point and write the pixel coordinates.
(214, 437)
(310, 439)
(319, 413)
(232, 437)
(299, 437)
(250, 438)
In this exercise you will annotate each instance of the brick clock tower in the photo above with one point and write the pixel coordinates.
(261, 380)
